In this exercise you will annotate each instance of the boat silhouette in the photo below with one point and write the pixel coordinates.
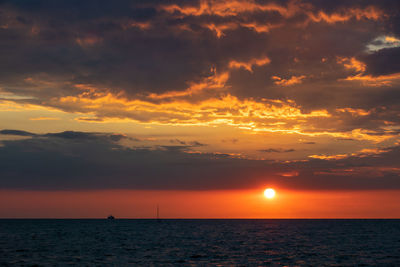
(110, 217)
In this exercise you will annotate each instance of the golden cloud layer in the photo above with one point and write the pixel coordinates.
(257, 116)
(360, 154)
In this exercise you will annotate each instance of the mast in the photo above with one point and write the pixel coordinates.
(158, 212)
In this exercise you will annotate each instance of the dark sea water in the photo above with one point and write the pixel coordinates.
(200, 242)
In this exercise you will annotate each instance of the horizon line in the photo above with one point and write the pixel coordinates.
(146, 218)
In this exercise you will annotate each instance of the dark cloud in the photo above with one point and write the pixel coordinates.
(346, 139)
(187, 143)
(178, 141)
(71, 135)
(74, 42)
(196, 143)
(173, 148)
(82, 136)
(51, 162)
(16, 132)
(383, 62)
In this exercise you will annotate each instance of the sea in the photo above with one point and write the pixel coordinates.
(125, 242)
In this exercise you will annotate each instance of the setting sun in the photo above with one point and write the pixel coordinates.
(269, 193)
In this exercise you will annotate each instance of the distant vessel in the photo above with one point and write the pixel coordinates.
(110, 217)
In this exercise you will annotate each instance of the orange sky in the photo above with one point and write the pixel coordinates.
(199, 204)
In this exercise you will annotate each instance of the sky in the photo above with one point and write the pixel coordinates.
(113, 107)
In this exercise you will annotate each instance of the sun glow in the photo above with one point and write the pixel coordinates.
(269, 193)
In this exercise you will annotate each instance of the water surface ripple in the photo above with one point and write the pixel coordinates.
(200, 242)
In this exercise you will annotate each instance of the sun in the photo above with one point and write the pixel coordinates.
(269, 193)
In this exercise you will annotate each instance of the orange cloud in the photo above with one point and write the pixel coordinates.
(45, 119)
(89, 119)
(249, 64)
(214, 82)
(10, 105)
(289, 174)
(375, 171)
(237, 7)
(329, 157)
(254, 116)
(220, 28)
(230, 8)
(368, 80)
(267, 115)
(352, 64)
(370, 13)
(245, 8)
(260, 28)
(391, 39)
(361, 154)
(88, 40)
(135, 24)
(354, 112)
(382, 80)
(288, 82)
(225, 110)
